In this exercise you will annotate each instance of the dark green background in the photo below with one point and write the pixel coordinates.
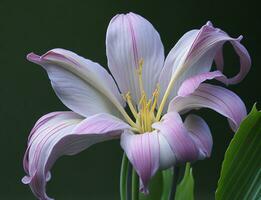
(80, 26)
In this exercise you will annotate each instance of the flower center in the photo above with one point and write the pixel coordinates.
(144, 113)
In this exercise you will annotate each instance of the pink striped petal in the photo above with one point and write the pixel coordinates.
(82, 85)
(170, 143)
(147, 152)
(192, 83)
(173, 61)
(245, 61)
(214, 97)
(194, 54)
(63, 133)
(208, 44)
(201, 134)
(143, 151)
(129, 39)
(178, 137)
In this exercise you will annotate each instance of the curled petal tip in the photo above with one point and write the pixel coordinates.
(26, 180)
(63, 133)
(240, 38)
(209, 23)
(32, 57)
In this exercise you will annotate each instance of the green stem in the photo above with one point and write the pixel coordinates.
(174, 183)
(135, 186)
(123, 178)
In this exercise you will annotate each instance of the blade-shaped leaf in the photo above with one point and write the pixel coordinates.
(167, 176)
(241, 169)
(185, 189)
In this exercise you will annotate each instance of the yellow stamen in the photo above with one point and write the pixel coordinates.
(128, 119)
(167, 93)
(155, 99)
(148, 116)
(145, 115)
(142, 99)
(128, 99)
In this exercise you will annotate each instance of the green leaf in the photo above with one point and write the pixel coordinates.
(167, 176)
(241, 169)
(185, 189)
(155, 188)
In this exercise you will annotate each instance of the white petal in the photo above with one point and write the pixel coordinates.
(167, 156)
(200, 133)
(178, 137)
(214, 97)
(63, 133)
(143, 151)
(195, 53)
(82, 85)
(131, 38)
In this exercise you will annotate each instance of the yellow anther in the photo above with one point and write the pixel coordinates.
(142, 99)
(155, 99)
(148, 104)
(144, 112)
(128, 99)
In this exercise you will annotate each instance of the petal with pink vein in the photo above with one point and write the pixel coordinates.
(192, 83)
(63, 133)
(131, 38)
(178, 137)
(214, 97)
(200, 133)
(194, 54)
(82, 85)
(143, 151)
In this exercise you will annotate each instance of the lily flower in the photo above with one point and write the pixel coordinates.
(156, 90)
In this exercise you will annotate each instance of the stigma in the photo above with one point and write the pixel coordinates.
(144, 112)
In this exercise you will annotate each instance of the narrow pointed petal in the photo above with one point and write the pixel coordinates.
(147, 152)
(63, 133)
(214, 97)
(175, 59)
(170, 143)
(82, 85)
(178, 137)
(130, 39)
(191, 84)
(143, 152)
(200, 133)
(194, 54)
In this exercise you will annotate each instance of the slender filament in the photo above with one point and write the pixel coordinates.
(144, 112)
